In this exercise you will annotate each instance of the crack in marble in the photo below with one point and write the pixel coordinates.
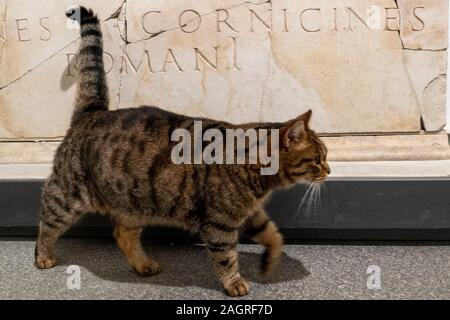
(121, 74)
(120, 11)
(404, 47)
(266, 80)
(442, 75)
(38, 65)
(30, 70)
(202, 16)
(124, 44)
(425, 125)
(123, 34)
(5, 36)
(400, 24)
(115, 15)
(426, 50)
(416, 97)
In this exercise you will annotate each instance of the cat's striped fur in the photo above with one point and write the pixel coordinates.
(118, 163)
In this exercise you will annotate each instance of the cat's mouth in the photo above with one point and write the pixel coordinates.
(322, 176)
(325, 172)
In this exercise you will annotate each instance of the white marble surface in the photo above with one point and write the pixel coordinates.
(339, 170)
(372, 68)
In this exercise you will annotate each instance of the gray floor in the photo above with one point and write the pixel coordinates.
(306, 272)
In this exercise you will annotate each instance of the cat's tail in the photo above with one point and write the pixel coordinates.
(92, 91)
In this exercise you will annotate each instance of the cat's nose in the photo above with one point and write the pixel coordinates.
(325, 171)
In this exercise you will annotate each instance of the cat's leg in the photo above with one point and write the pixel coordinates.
(129, 241)
(58, 213)
(221, 242)
(261, 229)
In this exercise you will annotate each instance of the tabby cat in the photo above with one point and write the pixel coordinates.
(119, 163)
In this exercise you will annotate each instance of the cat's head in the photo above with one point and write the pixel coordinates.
(303, 156)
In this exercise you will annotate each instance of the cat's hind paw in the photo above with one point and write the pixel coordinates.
(148, 268)
(45, 262)
(270, 260)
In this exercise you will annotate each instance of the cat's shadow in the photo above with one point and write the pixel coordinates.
(182, 266)
(69, 77)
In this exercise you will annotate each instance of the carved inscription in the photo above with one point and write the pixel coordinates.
(161, 62)
(306, 20)
(285, 20)
(24, 28)
(72, 62)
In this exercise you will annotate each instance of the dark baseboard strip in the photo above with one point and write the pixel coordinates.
(368, 234)
(415, 209)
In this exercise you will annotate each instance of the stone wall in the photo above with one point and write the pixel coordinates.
(364, 67)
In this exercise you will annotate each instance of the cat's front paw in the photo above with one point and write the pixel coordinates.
(45, 262)
(237, 287)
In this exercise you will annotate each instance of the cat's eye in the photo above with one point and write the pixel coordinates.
(317, 160)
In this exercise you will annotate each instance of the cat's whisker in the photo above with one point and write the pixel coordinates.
(329, 197)
(311, 200)
(320, 193)
(321, 186)
(304, 199)
(316, 200)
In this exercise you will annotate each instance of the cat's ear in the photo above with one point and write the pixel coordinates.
(295, 130)
(293, 133)
(306, 117)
